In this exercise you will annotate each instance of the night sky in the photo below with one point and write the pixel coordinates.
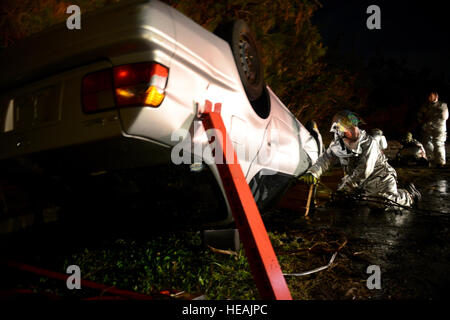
(417, 33)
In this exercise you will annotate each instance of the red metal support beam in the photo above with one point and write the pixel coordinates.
(263, 262)
(84, 283)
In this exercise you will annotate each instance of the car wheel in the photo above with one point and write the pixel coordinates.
(246, 55)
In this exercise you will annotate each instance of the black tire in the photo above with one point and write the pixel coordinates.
(246, 56)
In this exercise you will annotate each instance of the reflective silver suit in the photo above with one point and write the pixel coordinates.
(412, 150)
(433, 116)
(365, 169)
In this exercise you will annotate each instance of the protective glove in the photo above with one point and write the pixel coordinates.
(309, 179)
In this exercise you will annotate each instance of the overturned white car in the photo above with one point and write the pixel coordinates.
(127, 88)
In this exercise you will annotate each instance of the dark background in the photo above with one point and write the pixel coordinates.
(401, 62)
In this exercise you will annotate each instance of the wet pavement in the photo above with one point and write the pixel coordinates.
(411, 247)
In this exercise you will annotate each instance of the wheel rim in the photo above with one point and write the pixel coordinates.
(248, 59)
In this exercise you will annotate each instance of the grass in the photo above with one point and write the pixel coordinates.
(174, 263)
(179, 262)
(300, 249)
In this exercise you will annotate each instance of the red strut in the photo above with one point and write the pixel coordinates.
(259, 251)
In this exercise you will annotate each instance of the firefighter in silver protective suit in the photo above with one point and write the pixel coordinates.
(378, 135)
(412, 151)
(366, 169)
(433, 116)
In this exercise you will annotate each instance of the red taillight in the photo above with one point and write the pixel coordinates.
(138, 84)
(97, 91)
